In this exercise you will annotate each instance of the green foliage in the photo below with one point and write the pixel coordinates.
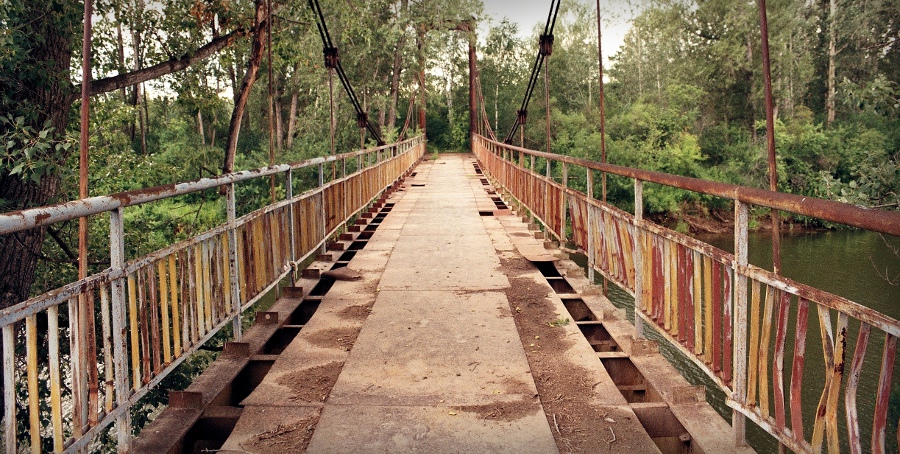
(29, 153)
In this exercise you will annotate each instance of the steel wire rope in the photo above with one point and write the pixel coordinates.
(339, 69)
(549, 26)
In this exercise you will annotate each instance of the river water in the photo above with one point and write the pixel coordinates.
(847, 263)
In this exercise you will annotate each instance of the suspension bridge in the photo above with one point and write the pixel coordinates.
(433, 303)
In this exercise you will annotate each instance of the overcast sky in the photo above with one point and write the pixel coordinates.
(528, 13)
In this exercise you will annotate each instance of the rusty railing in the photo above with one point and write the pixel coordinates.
(716, 308)
(158, 309)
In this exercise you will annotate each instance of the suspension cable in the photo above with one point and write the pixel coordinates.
(333, 60)
(536, 68)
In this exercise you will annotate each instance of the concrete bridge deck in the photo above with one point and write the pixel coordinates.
(462, 332)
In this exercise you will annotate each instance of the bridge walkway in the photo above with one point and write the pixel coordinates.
(453, 328)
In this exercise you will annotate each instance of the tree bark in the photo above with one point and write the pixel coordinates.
(397, 69)
(200, 127)
(47, 96)
(120, 41)
(136, 55)
(832, 53)
(279, 124)
(256, 53)
(158, 70)
(292, 119)
(420, 46)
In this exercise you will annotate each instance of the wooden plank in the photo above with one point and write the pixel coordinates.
(155, 328)
(133, 333)
(667, 284)
(717, 321)
(31, 369)
(681, 281)
(77, 387)
(658, 284)
(190, 302)
(778, 370)
(882, 401)
(828, 351)
(754, 348)
(9, 392)
(106, 327)
(837, 375)
(765, 340)
(797, 369)
(143, 323)
(698, 303)
(862, 341)
(707, 309)
(55, 393)
(727, 326)
(164, 310)
(226, 274)
(207, 284)
(198, 292)
(689, 298)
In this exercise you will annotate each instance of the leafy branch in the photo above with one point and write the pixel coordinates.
(29, 152)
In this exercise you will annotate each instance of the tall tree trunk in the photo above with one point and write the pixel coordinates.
(145, 121)
(420, 45)
(292, 119)
(751, 99)
(200, 127)
(256, 53)
(398, 65)
(212, 130)
(832, 53)
(395, 80)
(120, 41)
(47, 96)
(496, 107)
(279, 123)
(136, 55)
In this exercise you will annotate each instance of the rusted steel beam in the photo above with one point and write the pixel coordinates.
(865, 218)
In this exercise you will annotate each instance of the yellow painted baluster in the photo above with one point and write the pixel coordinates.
(164, 306)
(133, 328)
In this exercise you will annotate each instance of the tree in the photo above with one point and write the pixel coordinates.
(37, 96)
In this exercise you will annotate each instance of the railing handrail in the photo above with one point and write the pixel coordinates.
(15, 221)
(731, 319)
(157, 309)
(882, 221)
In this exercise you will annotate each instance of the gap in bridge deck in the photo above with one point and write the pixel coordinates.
(431, 351)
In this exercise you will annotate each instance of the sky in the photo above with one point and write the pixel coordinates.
(528, 13)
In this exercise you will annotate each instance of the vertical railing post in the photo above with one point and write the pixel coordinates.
(562, 203)
(590, 224)
(322, 219)
(233, 264)
(546, 214)
(289, 195)
(741, 223)
(638, 255)
(120, 360)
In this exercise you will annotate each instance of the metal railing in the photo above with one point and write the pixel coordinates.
(728, 317)
(158, 309)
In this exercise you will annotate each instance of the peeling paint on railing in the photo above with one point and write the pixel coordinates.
(158, 309)
(728, 317)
